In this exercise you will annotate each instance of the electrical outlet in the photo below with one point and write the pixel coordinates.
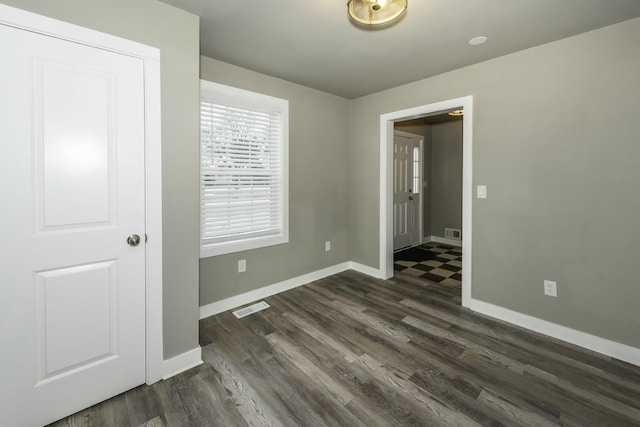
(327, 246)
(242, 266)
(550, 288)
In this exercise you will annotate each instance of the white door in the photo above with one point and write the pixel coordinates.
(72, 291)
(407, 212)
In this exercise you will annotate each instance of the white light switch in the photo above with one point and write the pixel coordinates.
(482, 191)
(242, 266)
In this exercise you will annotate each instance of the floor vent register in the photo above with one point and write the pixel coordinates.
(259, 306)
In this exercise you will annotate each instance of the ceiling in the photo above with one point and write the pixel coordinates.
(313, 43)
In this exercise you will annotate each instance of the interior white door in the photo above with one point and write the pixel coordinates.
(72, 291)
(402, 152)
(407, 179)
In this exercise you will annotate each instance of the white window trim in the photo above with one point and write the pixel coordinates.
(214, 249)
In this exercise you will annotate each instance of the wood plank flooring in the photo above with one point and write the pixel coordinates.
(350, 350)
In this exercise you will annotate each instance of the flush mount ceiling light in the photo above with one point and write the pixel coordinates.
(376, 12)
(456, 113)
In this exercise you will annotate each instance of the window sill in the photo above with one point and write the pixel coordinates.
(216, 249)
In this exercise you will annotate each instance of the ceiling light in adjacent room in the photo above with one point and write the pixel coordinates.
(477, 40)
(456, 113)
(376, 12)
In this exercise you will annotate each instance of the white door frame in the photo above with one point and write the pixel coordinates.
(386, 183)
(18, 18)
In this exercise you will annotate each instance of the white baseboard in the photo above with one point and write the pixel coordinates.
(437, 239)
(266, 291)
(365, 269)
(607, 347)
(182, 362)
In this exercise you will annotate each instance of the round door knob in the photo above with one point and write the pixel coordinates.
(133, 240)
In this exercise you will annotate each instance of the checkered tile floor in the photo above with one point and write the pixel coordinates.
(445, 267)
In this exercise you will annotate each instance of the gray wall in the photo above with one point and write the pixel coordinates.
(418, 128)
(556, 141)
(176, 34)
(446, 177)
(318, 129)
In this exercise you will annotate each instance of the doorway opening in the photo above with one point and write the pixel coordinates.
(435, 198)
(387, 190)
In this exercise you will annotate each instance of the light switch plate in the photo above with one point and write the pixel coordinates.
(242, 266)
(482, 191)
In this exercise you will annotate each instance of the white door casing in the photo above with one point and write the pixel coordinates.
(387, 121)
(72, 165)
(407, 191)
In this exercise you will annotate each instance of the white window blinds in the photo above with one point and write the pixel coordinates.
(242, 168)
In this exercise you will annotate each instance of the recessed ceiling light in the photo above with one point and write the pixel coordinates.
(477, 40)
(456, 113)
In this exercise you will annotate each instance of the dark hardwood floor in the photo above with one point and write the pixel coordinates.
(350, 350)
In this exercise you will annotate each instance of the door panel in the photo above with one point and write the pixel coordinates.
(91, 289)
(72, 300)
(74, 150)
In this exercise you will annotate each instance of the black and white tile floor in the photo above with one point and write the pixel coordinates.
(444, 263)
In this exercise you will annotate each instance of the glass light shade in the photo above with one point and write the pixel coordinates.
(375, 12)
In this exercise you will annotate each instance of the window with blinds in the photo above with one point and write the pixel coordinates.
(243, 170)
